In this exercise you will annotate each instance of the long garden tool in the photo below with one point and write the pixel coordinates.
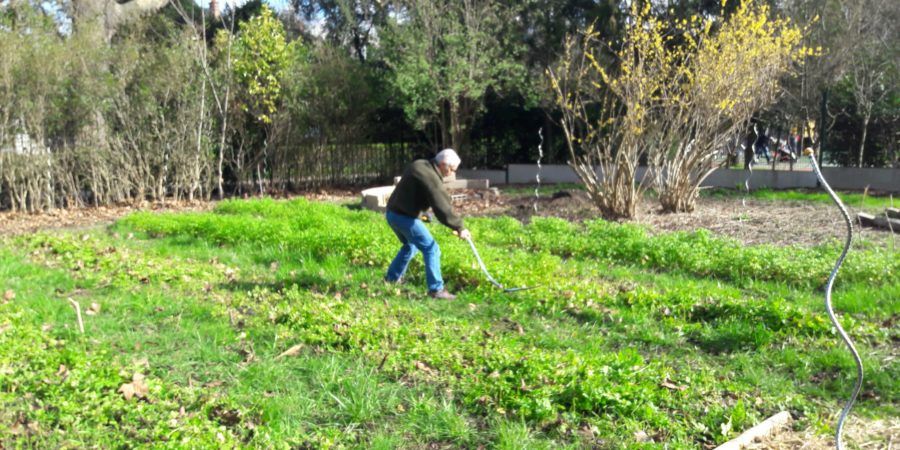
(488, 275)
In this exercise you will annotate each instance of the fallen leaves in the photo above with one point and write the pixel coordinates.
(668, 384)
(425, 368)
(9, 295)
(93, 310)
(136, 389)
(293, 351)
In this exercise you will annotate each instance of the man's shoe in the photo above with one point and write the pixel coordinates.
(442, 294)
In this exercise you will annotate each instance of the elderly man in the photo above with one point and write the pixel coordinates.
(420, 187)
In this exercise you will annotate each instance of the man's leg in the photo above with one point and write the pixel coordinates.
(401, 262)
(418, 236)
(422, 239)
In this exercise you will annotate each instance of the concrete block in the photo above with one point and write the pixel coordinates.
(376, 198)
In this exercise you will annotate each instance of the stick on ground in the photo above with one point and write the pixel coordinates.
(77, 314)
(763, 429)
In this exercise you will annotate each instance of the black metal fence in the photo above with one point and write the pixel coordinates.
(317, 165)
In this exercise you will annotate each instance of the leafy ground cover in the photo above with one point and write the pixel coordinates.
(855, 199)
(266, 324)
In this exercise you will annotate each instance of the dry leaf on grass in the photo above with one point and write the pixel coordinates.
(9, 295)
(670, 385)
(137, 387)
(93, 310)
(425, 368)
(293, 351)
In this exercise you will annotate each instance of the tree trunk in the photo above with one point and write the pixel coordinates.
(862, 142)
(103, 17)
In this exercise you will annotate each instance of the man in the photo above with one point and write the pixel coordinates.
(420, 187)
(762, 143)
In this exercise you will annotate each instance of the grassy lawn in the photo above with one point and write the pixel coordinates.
(855, 200)
(265, 324)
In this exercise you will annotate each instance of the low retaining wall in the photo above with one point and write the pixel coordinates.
(858, 179)
(493, 176)
(845, 178)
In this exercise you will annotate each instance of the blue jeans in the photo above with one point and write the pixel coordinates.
(415, 237)
(763, 150)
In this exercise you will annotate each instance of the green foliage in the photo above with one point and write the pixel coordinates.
(850, 199)
(445, 56)
(261, 57)
(602, 352)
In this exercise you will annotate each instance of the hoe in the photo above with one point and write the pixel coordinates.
(488, 275)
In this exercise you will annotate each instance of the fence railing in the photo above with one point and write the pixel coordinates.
(316, 165)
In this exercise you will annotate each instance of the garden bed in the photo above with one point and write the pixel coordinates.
(751, 221)
(265, 321)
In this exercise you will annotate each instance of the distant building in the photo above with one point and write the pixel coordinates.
(24, 145)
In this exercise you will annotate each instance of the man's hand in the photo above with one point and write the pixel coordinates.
(464, 234)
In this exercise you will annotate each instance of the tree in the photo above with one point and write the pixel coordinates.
(260, 58)
(671, 92)
(872, 35)
(347, 23)
(444, 57)
(102, 18)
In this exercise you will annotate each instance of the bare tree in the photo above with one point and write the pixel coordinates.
(871, 44)
(604, 151)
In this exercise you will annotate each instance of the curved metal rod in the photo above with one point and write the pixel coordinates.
(537, 177)
(859, 367)
(488, 275)
(750, 168)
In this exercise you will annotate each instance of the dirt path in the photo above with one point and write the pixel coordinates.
(858, 434)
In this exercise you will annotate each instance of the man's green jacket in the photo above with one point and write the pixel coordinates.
(422, 186)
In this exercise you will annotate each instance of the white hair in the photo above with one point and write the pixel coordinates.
(449, 156)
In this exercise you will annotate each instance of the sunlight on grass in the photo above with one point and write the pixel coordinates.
(633, 336)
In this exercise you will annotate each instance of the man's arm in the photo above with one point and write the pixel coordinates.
(440, 202)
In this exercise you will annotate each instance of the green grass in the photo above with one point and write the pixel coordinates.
(851, 199)
(685, 338)
(543, 189)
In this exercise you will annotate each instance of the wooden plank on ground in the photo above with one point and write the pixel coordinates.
(888, 224)
(765, 428)
(866, 220)
(893, 213)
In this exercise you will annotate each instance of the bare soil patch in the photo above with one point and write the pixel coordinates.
(858, 433)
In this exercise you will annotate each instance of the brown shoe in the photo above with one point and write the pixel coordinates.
(442, 294)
